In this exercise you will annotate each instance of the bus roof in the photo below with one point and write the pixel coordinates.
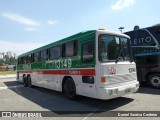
(113, 33)
(75, 36)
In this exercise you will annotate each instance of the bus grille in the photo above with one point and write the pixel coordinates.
(114, 79)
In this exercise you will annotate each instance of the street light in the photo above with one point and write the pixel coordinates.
(121, 28)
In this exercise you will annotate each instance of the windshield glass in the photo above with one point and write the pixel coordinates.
(113, 47)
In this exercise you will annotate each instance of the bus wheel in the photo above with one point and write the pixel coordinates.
(25, 83)
(139, 78)
(29, 81)
(69, 88)
(154, 80)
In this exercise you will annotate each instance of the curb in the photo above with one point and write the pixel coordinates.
(8, 76)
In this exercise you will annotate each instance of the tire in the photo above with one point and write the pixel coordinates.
(70, 89)
(142, 83)
(139, 78)
(29, 82)
(154, 80)
(25, 83)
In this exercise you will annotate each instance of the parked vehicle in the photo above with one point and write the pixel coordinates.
(146, 53)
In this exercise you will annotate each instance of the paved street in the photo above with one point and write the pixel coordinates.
(15, 97)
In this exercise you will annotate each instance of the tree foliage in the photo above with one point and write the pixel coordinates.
(8, 61)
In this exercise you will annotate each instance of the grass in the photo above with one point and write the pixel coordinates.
(7, 72)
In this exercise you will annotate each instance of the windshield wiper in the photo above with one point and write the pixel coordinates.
(119, 55)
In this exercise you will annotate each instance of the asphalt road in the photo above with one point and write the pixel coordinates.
(15, 97)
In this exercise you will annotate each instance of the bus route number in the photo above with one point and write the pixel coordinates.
(65, 63)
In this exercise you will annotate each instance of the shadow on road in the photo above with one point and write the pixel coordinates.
(61, 106)
(146, 89)
(12, 83)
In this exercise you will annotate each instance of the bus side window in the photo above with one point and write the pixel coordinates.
(44, 55)
(87, 52)
(75, 51)
(32, 57)
(36, 57)
(70, 49)
(24, 59)
(19, 61)
(55, 52)
(29, 59)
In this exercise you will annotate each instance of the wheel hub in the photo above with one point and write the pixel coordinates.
(156, 80)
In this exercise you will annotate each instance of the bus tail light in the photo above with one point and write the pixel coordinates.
(103, 79)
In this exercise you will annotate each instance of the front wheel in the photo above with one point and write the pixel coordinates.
(154, 80)
(70, 89)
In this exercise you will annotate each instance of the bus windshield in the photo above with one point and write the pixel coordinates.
(113, 48)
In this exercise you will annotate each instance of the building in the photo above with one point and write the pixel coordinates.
(2, 55)
(8, 54)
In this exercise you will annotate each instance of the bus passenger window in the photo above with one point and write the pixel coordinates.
(19, 60)
(36, 57)
(55, 52)
(44, 55)
(87, 52)
(29, 59)
(24, 59)
(70, 49)
(75, 48)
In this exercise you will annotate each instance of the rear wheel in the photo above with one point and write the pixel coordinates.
(139, 77)
(69, 88)
(29, 81)
(154, 80)
(25, 83)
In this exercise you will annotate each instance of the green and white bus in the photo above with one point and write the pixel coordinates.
(93, 63)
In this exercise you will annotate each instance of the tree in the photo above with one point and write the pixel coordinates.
(13, 61)
(8, 61)
(2, 62)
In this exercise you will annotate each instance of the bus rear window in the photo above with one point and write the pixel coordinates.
(36, 57)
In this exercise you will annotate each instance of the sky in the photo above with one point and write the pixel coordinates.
(29, 24)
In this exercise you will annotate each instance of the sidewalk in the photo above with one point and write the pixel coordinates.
(8, 76)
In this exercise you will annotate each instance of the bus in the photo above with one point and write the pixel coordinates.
(93, 63)
(145, 44)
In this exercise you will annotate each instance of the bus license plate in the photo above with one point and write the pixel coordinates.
(127, 90)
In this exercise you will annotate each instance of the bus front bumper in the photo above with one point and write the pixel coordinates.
(118, 91)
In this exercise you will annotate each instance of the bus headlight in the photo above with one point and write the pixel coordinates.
(115, 91)
(110, 92)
